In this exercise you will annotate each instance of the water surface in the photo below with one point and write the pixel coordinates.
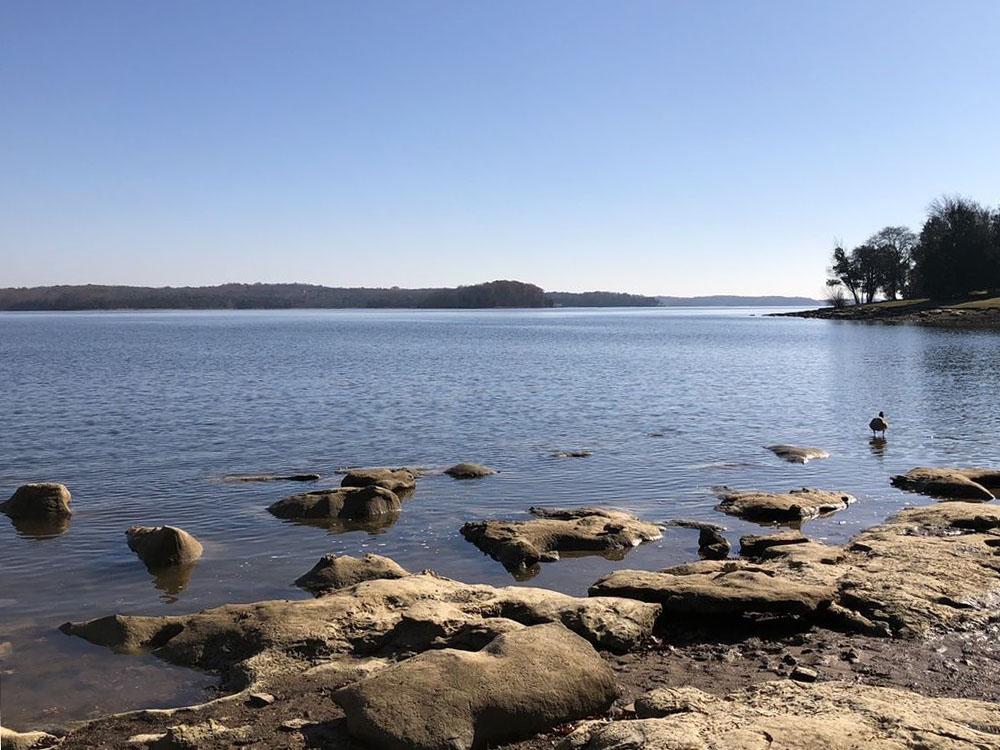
(141, 414)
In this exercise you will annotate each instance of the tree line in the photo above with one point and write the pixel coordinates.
(298, 296)
(956, 253)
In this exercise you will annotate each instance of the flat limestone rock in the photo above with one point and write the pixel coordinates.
(666, 701)
(712, 588)
(796, 454)
(163, 546)
(758, 545)
(395, 480)
(38, 501)
(11, 740)
(519, 545)
(522, 683)
(776, 507)
(795, 716)
(928, 569)
(950, 483)
(247, 643)
(334, 572)
(355, 503)
(469, 471)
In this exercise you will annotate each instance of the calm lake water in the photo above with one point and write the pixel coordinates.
(141, 414)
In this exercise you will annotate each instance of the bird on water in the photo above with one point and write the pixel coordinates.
(879, 424)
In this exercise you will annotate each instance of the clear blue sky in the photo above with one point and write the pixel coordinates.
(657, 147)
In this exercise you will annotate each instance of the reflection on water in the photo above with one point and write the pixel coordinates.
(141, 414)
(172, 580)
(41, 528)
(877, 446)
(377, 525)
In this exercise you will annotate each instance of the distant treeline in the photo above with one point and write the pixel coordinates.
(288, 296)
(956, 253)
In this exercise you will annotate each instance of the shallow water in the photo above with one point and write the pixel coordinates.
(141, 414)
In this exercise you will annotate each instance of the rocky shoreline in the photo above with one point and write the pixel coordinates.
(921, 312)
(888, 641)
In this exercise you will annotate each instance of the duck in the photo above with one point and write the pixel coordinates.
(879, 424)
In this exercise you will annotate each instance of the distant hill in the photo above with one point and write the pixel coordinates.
(733, 300)
(269, 296)
(601, 299)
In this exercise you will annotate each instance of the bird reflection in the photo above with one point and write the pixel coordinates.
(877, 446)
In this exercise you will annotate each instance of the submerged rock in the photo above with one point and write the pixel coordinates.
(163, 546)
(518, 545)
(797, 455)
(38, 501)
(950, 483)
(271, 478)
(777, 507)
(358, 503)
(469, 471)
(334, 572)
(522, 683)
(572, 454)
(787, 714)
(396, 480)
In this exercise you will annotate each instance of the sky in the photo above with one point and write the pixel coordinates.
(680, 148)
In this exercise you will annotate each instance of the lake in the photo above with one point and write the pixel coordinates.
(142, 414)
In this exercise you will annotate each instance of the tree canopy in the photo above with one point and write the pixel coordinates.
(956, 253)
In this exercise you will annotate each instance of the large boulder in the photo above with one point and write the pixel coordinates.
(469, 471)
(950, 483)
(334, 572)
(711, 588)
(794, 716)
(357, 503)
(38, 501)
(163, 546)
(520, 545)
(781, 507)
(795, 454)
(522, 683)
(395, 480)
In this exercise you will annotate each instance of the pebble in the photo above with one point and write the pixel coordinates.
(259, 700)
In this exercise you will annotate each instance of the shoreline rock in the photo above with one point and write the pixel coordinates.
(38, 501)
(163, 546)
(523, 682)
(789, 714)
(334, 572)
(351, 503)
(521, 545)
(950, 483)
(398, 481)
(781, 507)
